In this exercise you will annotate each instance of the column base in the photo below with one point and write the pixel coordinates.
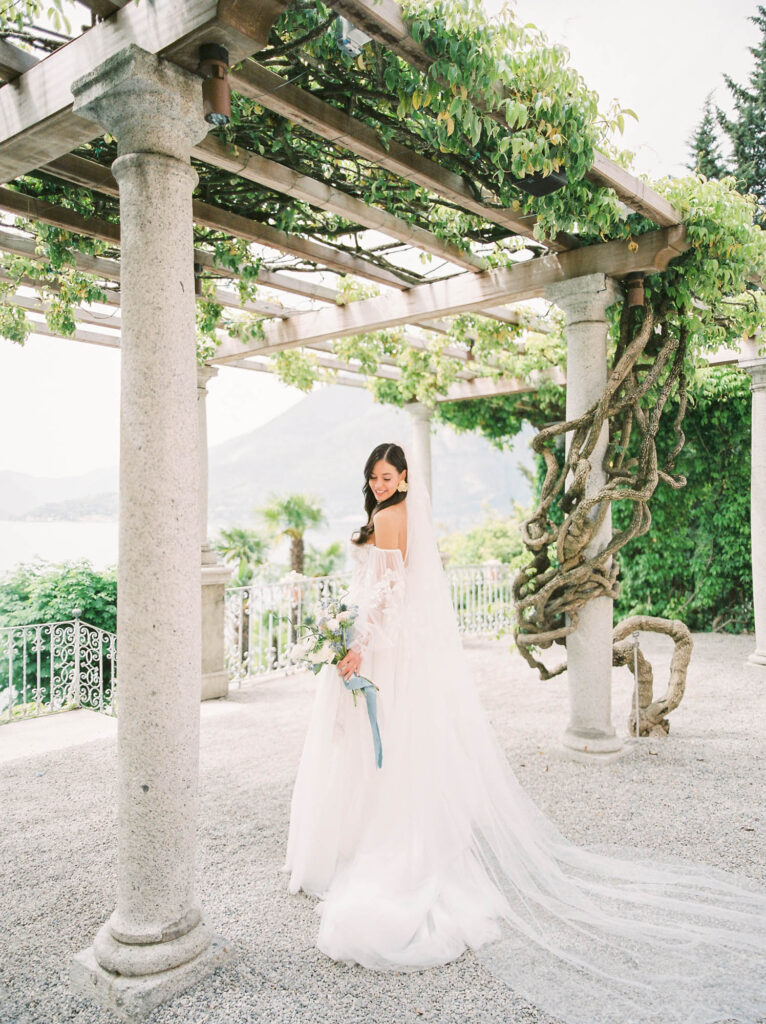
(757, 658)
(215, 685)
(589, 745)
(132, 998)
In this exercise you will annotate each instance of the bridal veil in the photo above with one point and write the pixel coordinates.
(444, 850)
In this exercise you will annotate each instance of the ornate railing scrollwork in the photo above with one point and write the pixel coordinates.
(56, 666)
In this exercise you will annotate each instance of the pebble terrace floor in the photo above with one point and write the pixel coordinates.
(697, 793)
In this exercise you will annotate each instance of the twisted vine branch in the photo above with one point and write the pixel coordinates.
(565, 572)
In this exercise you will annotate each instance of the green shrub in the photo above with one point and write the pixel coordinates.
(46, 592)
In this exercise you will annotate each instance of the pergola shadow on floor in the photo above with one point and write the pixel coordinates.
(695, 794)
(136, 76)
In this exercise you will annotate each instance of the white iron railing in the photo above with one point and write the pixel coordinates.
(482, 597)
(47, 667)
(264, 621)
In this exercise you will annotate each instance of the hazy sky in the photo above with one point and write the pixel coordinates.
(59, 400)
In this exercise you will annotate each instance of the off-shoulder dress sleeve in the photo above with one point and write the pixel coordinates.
(378, 592)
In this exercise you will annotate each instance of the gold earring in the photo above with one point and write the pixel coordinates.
(402, 486)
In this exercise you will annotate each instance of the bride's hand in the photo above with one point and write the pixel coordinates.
(349, 666)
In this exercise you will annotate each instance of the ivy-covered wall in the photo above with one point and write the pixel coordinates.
(695, 562)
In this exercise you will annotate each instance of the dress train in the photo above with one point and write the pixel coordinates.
(442, 850)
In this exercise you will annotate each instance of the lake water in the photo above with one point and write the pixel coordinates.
(57, 542)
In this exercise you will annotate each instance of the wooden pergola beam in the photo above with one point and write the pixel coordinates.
(383, 21)
(322, 354)
(525, 280)
(111, 340)
(632, 191)
(303, 107)
(103, 8)
(30, 208)
(36, 119)
(21, 245)
(37, 304)
(92, 175)
(411, 341)
(14, 61)
(492, 387)
(345, 380)
(284, 179)
(112, 296)
(109, 270)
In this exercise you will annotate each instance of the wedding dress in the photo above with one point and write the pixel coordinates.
(441, 849)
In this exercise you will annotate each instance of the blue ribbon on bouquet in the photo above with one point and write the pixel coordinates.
(369, 692)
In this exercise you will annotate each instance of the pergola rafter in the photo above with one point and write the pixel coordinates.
(91, 317)
(525, 280)
(109, 270)
(302, 107)
(283, 179)
(175, 32)
(383, 21)
(321, 352)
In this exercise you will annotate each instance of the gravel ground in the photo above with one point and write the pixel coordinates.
(698, 794)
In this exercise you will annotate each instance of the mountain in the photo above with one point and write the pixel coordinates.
(317, 447)
(22, 494)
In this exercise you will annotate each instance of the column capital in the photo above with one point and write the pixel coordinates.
(584, 299)
(147, 103)
(205, 373)
(756, 367)
(419, 411)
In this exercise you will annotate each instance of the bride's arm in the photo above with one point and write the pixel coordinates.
(379, 597)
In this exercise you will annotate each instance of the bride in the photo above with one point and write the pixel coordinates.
(441, 850)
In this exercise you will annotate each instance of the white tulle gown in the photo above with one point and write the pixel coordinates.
(441, 849)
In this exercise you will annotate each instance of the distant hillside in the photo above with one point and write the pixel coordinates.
(21, 494)
(98, 507)
(319, 447)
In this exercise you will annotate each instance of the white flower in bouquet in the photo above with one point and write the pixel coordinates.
(301, 650)
(346, 616)
(333, 624)
(322, 654)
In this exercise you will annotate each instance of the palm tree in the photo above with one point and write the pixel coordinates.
(246, 548)
(291, 516)
(326, 562)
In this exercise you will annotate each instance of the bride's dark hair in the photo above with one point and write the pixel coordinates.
(394, 455)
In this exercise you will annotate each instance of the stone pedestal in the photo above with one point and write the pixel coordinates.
(756, 367)
(215, 677)
(156, 941)
(215, 575)
(590, 734)
(421, 440)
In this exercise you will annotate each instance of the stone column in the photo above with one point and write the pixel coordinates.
(215, 575)
(156, 941)
(421, 439)
(756, 367)
(590, 734)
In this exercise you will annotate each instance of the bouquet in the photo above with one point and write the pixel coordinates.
(326, 642)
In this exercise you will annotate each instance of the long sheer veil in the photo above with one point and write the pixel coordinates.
(590, 935)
